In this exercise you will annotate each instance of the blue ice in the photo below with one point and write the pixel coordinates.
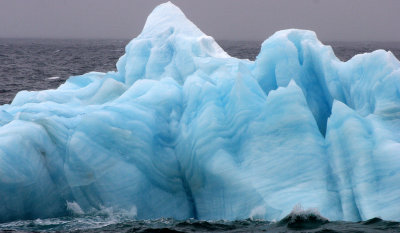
(183, 130)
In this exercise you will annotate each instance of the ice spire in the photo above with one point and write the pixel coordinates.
(166, 16)
(167, 45)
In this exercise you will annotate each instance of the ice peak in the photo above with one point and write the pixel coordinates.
(169, 6)
(169, 16)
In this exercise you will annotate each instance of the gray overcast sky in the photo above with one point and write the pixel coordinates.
(341, 20)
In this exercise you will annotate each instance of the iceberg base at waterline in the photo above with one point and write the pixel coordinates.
(183, 130)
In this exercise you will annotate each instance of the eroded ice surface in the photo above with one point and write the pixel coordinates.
(184, 130)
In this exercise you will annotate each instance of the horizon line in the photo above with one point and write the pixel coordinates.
(217, 39)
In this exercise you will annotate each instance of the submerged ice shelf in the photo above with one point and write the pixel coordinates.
(183, 130)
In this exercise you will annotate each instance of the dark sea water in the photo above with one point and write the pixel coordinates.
(104, 223)
(32, 64)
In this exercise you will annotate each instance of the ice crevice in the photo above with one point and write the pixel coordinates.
(183, 130)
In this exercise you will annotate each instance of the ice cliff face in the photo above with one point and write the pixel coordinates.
(184, 130)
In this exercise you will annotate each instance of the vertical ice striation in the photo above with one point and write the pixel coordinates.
(183, 130)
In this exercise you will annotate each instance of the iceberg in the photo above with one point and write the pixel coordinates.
(183, 130)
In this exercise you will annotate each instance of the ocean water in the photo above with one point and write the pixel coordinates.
(112, 223)
(33, 64)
